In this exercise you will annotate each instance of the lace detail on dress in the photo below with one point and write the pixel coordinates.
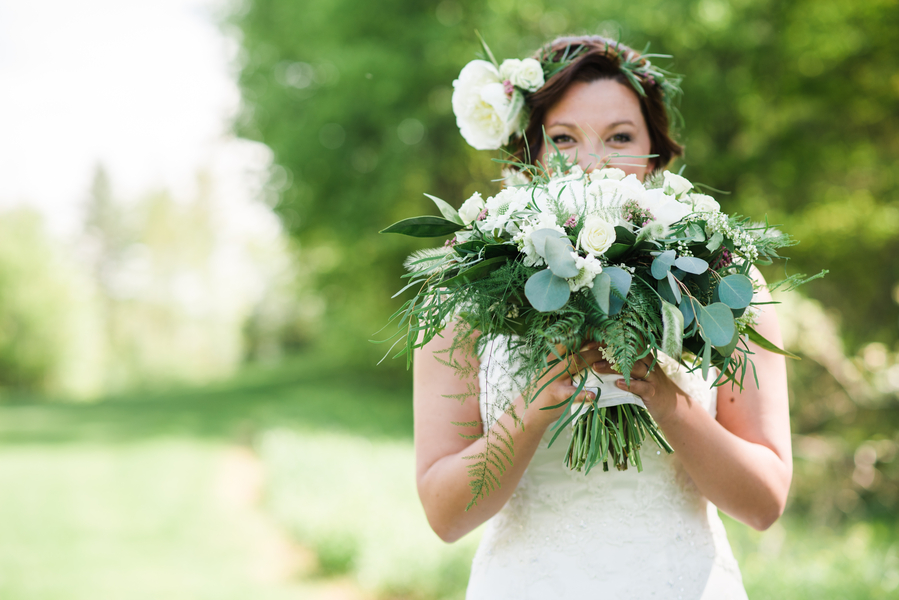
(607, 534)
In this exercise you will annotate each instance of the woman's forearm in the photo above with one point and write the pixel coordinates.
(747, 480)
(444, 486)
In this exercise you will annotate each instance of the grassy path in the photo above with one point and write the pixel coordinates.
(287, 484)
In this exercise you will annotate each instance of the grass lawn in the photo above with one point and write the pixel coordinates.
(292, 482)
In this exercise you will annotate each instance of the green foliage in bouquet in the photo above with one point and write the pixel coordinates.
(560, 258)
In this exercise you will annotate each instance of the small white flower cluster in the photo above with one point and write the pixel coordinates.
(743, 241)
(489, 102)
(750, 318)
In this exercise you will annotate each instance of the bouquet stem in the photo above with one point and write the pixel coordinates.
(612, 434)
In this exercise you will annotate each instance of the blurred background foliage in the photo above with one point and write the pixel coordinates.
(791, 106)
(146, 317)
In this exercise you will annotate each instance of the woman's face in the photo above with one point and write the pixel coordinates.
(599, 119)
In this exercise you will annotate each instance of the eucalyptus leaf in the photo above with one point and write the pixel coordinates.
(717, 324)
(695, 232)
(736, 291)
(446, 210)
(675, 288)
(424, 227)
(706, 360)
(559, 257)
(730, 347)
(539, 237)
(715, 242)
(621, 285)
(664, 290)
(602, 285)
(691, 264)
(672, 330)
(546, 292)
(686, 309)
(662, 264)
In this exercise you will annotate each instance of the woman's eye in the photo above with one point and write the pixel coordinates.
(621, 138)
(562, 138)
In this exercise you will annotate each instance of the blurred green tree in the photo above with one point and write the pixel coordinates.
(789, 105)
(44, 301)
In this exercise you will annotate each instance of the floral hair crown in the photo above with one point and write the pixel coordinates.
(490, 99)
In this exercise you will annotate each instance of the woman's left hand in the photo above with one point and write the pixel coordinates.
(658, 392)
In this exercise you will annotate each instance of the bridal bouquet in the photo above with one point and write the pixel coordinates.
(562, 258)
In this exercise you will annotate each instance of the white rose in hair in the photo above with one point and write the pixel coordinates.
(482, 107)
(528, 76)
(596, 236)
(471, 208)
(509, 68)
(675, 184)
(704, 203)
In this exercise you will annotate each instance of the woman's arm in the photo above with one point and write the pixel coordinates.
(742, 461)
(441, 471)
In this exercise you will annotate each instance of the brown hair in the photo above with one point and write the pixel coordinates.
(594, 58)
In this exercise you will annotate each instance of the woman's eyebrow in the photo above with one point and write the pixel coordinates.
(575, 126)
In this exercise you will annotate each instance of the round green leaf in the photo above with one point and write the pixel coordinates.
(662, 264)
(691, 264)
(601, 289)
(675, 288)
(717, 324)
(735, 291)
(686, 309)
(621, 285)
(539, 237)
(559, 258)
(546, 292)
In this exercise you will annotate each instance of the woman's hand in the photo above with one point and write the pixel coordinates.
(656, 389)
(559, 384)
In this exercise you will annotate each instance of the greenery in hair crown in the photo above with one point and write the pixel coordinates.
(490, 99)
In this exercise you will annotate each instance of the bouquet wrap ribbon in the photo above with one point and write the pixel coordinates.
(607, 393)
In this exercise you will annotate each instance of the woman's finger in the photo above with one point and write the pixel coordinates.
(642, 388)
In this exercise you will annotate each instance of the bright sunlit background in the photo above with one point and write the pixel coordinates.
(190, 272)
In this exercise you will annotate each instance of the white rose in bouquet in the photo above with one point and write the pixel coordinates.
(704, 203)
(665, 209)
(615, 192)
(675, 184)
(569, 191)
(482, 107)
(596, 236)
(471, 208)
(607, 173)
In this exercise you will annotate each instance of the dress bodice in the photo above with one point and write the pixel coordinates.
(615, 534)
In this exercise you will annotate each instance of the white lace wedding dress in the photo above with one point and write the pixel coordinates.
(615, 534)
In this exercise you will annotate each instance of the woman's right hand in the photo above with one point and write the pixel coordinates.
(559, 384)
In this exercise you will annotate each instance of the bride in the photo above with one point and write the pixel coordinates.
(555, 533)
